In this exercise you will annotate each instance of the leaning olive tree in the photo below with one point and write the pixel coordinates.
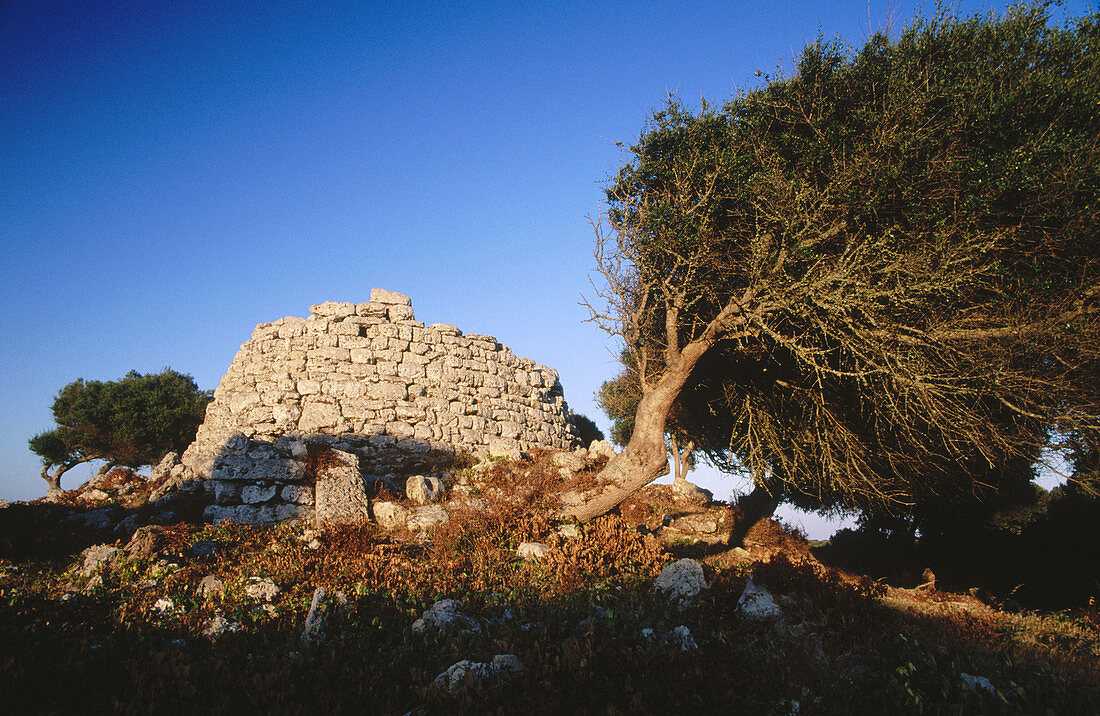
(879, 277)
(133, 421)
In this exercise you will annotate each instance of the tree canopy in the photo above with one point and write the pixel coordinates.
(875, 283)
(133, 421)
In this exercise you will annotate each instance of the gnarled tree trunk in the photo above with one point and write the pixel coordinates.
(645, 458)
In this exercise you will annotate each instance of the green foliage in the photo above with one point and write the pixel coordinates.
(133, 421)
(890, 258)
(587, 430)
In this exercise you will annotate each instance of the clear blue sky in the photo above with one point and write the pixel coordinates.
(172, 174)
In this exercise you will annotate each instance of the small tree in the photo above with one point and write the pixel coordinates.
(880, 276)
(133, 422)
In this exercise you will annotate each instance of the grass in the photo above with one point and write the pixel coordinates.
(848, 644)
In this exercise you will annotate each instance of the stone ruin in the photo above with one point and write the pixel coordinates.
(385, 394)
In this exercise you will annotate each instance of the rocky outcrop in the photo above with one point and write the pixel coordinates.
(370, 381)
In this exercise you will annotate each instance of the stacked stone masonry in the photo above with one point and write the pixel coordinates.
(370, 380)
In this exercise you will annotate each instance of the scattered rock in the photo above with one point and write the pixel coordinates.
(96, 556)
(464, 674)
(211, 587)
(569, 531)
(313, 632)
(391, 515)
(218, 626)
(975, 684)
(691, 492)
(681, 582)
(262, 590)
(445, 616)
(93, 495)
(600, 448)
(678, 638)
(756, 603)
(426, 517)
(424, 490)
(146, 543)
(164, 606)
(569, 463)
(532, 550)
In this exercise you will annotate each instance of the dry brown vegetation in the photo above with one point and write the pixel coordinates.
(574, 619)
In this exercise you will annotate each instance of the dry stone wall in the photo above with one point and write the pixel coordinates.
(370, 380)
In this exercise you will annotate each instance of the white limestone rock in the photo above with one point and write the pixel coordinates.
(600, 448)
(681, 582)
(340, 496)
(97, 556)
(218, 626)
(262, 590)
(391, 515)
(757, 603)
(445, 616)
(424, 490)
(464, 674)
(424, 518)
(532, 550)
(392, 298)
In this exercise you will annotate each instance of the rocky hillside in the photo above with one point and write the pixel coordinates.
(463, 595)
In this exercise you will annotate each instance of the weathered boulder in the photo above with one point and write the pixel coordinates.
(690, 492)
(424, 518)
(445, 616)
(600, 448)
(464, 674)
(97, 556)
(532, 550)
(313, 632)
(681, 582)
(757, 603)
(145, 543)
(391, 515)
(262, 590)
(424, 490)
(218, 626)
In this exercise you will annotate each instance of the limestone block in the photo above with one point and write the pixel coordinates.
(253, 494)
(532, 550)
(340, 494)
(391, 515)
(400, 429)
(446, 329)
(317, 417)
(426, 517)
(393, 298)
(227, 493)
(400, 313)
(424, 490)
(298, 494)
(388, 391)
(338, 355)
(681, 582)
(332, 309)
(308, 387)
(285, 513)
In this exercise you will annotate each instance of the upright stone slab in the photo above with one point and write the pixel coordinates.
(340, 496)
